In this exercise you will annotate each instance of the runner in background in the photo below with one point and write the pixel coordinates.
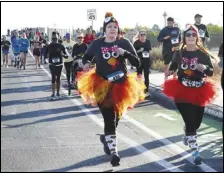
(55, 52)
(170, 36)
(88, 37)
(37, 50)
(143, 49)
(77, 53)
(202, 29)
(15, 48)
(24, 46)
(5, 45)
(68, 44)
(43, 48)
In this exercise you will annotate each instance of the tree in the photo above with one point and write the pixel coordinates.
(215, 29)
(155, 27)
(126, 29)
(144, 27)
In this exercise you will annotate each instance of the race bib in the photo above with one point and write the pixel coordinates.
(68, 52)
(80, 63)
(175, 40)
(55, 60)
(145, 54)
(201, 33)
(115, 76)
(192, 84)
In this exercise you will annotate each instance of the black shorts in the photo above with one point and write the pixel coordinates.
(167, 56)
(36, 52)
(24, 51)
(55, 72)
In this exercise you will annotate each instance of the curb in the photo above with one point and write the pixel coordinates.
(211, 110)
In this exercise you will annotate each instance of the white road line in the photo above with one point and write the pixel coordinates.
(174, 147)
(141, 149)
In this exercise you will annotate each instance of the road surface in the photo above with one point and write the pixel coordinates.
(40, 135)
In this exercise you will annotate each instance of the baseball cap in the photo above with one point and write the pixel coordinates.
(67, 36)
(198, 15)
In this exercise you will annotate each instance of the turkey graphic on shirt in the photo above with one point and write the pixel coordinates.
(110, 54)
(189, 66)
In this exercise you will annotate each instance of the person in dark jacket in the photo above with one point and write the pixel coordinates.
(170, 36)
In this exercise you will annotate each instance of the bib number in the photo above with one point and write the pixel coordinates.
(115, 76)
(55, 60)
(201, 34)
(145, 54)
(67, 52)
(175, 40)
(80, 63)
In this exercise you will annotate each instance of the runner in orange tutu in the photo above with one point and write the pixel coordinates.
(109, 85)
(192, 90)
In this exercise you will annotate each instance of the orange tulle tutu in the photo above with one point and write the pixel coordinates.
(96, 90)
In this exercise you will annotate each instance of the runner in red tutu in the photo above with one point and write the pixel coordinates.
(192, 90)
(109, 85)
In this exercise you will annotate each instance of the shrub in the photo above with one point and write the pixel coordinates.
(158, 65)
(157, 53)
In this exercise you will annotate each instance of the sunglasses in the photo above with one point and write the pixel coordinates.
(142, 34)
(190, 34)
(80, 37)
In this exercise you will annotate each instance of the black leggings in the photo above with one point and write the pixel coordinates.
(145, 65)
(56, 73)
(110, 120)
(192, 116)
(68, 66)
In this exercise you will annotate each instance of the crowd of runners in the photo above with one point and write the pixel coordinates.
(96, 66)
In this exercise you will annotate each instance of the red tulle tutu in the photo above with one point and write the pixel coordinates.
(198, 96)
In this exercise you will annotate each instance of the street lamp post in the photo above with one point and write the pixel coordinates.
(165, 15)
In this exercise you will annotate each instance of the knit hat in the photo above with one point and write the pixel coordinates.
(191, 27)
(108, 19)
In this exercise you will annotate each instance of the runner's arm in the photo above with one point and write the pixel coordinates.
(131, 54)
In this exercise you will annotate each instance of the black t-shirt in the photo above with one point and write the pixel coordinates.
(203, 32)
(79, 50)
(146, 46)
(44, 41)
(5, 45)
(36, 45)
(175, 36)
(54, 52)
(186, 62)
(108, 62)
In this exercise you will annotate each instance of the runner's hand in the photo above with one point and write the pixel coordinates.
(86, 67)
(167, 37)
(201, 68)
(169, 73)
(65, 56)
(120, 51)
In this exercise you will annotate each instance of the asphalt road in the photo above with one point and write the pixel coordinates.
(40, 135)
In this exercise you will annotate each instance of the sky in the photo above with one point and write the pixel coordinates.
(74, 14)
